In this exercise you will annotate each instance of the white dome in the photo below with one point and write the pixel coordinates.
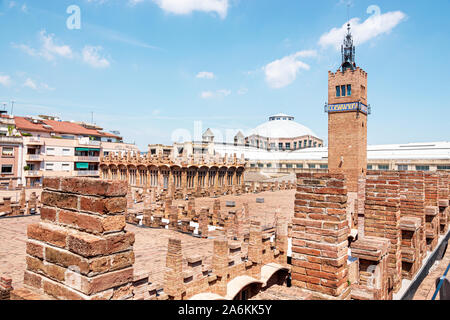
(286, 127)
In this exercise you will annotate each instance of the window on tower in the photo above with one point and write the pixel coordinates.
(338, 91)
(349, 89)
(343, 90)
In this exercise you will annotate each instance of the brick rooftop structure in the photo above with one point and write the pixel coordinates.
(178, 177)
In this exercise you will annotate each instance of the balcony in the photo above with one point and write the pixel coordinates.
(33, 173)
(86, 142)
(34, 141)
(87, 173)
(33, 157)
(5, 139)
(87, 159)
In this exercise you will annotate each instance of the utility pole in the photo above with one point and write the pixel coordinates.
(12, 107)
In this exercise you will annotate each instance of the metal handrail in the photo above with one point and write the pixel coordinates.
(440, 282)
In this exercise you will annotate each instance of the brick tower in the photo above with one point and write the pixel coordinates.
(347, 118)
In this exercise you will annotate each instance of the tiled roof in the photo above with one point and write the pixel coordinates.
(66, 127)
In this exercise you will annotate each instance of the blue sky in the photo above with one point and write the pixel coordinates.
(149, 68)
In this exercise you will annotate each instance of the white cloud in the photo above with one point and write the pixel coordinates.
(11, 4)
(5, 80)
(284, 71)
(242, 91)
(188, 6)
(205, 75)
(134, 2)
(377, 24)
(223, 92)
(92, 57)
(217, 94)
(207, 94)
(24, 8)
(30, 84)
(49, 49)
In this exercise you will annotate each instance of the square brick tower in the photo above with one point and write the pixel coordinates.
(347, 118)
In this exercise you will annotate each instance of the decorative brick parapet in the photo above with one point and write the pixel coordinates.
(319, 235)
(373, 283)
(80, 249)
(410, 246)
(382, 216)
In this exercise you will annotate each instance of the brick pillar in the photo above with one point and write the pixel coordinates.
(7, 205)
(203, 223)
(230, 225)
(173, 277)
(412, 203)
(410, 246)
(382, 216)
(80, 249)
(431, 210)
(372, 253)
(167, 206)
(32, 203)
(281, 240)
(22, 200)
(173, 218)
(220, 265)
(191, 208)
(147, 219)
(443, 202)
(255, 247)
(216, 212)
(5, 288)
(319, 235)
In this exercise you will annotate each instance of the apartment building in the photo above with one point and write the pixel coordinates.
(53, 147)
(11, 148)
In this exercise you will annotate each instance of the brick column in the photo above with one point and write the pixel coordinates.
(382, 216)
(412, 203)
(216, 212)
(255, 248)
(220, 265)
(80, 249)
(281, 240)
(173, 277)
(203, 223)
(22, 200)
(431, 210)
(443, 202)
(319, 235)
(372, 284)
(5, 288)
(410, 246)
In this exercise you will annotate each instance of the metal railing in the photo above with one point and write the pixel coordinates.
(34, 156)
(88, 158)
(33, 173)
(86, 173)
(441, 282)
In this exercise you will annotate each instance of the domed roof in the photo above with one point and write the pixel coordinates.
(281, 126)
